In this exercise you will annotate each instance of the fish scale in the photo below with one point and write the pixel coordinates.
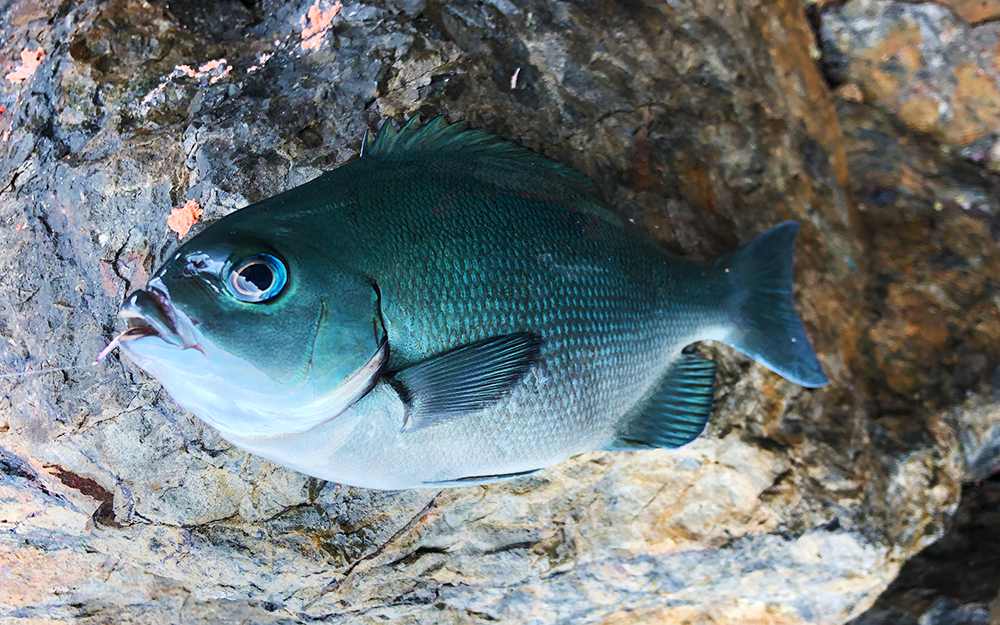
(474, 314)
(584, 395)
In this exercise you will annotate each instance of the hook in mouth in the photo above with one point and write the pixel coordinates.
(149, 312)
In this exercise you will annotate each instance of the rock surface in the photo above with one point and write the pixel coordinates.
(705, 123)
(931, 64)
(955, 581)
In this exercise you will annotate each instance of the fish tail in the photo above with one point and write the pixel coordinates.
(766, 326)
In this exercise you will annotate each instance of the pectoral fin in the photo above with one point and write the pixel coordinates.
(465, 379)
(678, 410)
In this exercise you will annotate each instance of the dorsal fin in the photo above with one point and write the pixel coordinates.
(438, 136)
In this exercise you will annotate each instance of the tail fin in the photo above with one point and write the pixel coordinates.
(767, 327)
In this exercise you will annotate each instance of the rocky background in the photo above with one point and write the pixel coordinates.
(874, 123)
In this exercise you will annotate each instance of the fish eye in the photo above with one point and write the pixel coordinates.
(258, 278)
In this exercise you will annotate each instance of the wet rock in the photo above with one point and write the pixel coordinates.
(703, 123)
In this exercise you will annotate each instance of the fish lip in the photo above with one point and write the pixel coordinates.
(149, 312)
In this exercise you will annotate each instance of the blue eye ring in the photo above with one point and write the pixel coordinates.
(257, 279)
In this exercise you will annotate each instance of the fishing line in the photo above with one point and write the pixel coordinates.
(17, 374)
(110, 347)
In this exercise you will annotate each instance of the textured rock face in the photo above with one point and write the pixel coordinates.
(955, 581)
(931, 64)
(705, 123)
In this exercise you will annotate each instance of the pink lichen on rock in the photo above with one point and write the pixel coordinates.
(316, 23)
(261, 62)
(183, 217)
(210, 65)
(205, 69)
(30, 60)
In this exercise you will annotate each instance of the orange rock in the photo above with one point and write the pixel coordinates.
(920, 113)
(183, 217)
(851, 92)
(789, 38)
(315, 23)
(940, 76)
(30, 60)
(977, 96)
(974, 11)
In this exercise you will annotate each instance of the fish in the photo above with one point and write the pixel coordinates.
(451, 308)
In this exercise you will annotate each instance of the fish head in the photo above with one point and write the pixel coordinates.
(259, 336)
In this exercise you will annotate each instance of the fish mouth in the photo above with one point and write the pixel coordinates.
(149, 312)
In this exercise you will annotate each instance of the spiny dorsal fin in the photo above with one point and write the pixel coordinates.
(438, 136)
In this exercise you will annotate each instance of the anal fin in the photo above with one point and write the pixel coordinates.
(677, 411)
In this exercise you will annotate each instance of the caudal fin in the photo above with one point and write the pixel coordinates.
(767, 327)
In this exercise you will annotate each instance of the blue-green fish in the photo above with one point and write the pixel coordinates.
(451, 308)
